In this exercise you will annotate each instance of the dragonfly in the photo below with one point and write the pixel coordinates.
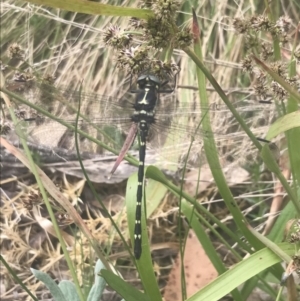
(150, 110)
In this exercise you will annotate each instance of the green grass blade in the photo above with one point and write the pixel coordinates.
(240, 273)
(16, 278)
(154, 173)
(127, 291)
(272, 246)
(270, 162)
(209, 144)
(203, 237)
(288, 213)
(283, 124)
(293, 136)
(212, 155)
(94, 8)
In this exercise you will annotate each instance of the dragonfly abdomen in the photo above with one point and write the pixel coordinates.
(139, 194)
(143, 115)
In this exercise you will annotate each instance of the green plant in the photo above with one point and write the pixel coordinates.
(66, 290)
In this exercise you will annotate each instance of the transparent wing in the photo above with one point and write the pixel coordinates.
(107, 118)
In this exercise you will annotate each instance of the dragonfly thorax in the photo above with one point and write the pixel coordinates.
(145, 102)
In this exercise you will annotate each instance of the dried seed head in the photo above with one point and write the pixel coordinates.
(247, 64)
(163, 69)
(261, 89)
(15, 51)
(241, 25)
(294, 82)
(251, 41)
(296, 263)
(165, 10)
(135, 59)
(292, 231)
(20, 114)
(261, 85)
(183, 38)
(284, 23)
(33, 198)
(63, 219)
(261, 22)
(5, 128)
(170, 68)
(115, 38)
(283, 38)
(297, 56)
(137, 23)
(294, 238)
(157, 33)
(278, 67)
(278, 91)
(49, 79)
(26, 76)
(266, 51)
(161, 30)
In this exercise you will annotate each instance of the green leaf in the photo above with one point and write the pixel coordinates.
(283, 124)
(69, 290)
(127, 291)
(144, 264)
(99, 285)
(269, 158)
(277, 232)
(272, 246)
(155, 192)
(51, 285)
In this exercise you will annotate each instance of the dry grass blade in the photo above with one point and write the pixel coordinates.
(56, 194)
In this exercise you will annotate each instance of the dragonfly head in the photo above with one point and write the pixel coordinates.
(148, 80)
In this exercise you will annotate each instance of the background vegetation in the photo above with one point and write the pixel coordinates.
(64, 42)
